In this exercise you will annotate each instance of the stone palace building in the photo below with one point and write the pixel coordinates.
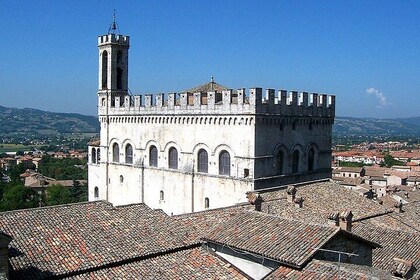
(205, 147)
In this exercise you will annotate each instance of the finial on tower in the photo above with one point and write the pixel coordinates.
(212, 79)
(113, 28)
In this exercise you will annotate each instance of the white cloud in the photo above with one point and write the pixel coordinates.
(379, 95)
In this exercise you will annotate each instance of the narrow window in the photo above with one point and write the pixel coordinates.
(115, 153)
(162, 195)
(203, 161)
(93, 155)
(311, 159)
(246, 172)
(173, 158)
(224, 163)
(295, 162)
(280, 163)
(121, 179)
(206, 203)
(98, 155)
(128, 154)
(96, 193)
(104, 69)
(153, 158)
(119, 78)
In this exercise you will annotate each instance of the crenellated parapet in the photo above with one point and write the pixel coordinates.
(112, 38)
(253, 101)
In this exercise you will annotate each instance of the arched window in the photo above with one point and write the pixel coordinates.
(104, 70)
(173, 158)
(119, 56)
(224, 163)
(93, 155)
(128, 153)
(153, 156)
(98, 155)
(295, 162)
(203, 161)
(115, 153)
(121, 179)
(162, 195)
(311, 159)
(119, 78)
(206, 203)
(280, 163)
(96, 193)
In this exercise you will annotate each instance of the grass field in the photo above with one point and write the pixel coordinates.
(4, 148)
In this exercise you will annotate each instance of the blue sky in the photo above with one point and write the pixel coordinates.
(367, 53)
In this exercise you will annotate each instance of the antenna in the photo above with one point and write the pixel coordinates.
(113, 27)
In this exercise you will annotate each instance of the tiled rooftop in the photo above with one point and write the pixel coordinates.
(324, 270)
(320, 199)
(196, 263)
(395, 244)
(290, 242)
(62, 239)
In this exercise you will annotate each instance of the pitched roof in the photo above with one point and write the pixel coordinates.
(290, 242)
(197, 263)
(207, 87)
(62, 239)
(325, 270)
(321, 199)
(395, 244)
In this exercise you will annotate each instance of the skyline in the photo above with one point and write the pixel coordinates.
(364, 53)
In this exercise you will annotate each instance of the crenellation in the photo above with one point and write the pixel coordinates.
(112, 38)
(291, 103)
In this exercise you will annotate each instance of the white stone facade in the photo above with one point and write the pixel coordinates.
(192, 151)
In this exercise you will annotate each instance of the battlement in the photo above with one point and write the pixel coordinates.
(282, 102)
(112, 38)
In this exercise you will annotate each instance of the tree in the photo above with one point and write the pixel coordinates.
(19, 197)
(57, 194)
(16, 170)
(79, 192)
(20, 153)
(390, 161)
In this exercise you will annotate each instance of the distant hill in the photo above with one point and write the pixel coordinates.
(345, 126)
(33, 121)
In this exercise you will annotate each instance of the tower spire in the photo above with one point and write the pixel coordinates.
(114, 28)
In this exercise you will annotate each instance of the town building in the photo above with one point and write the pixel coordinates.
(205, 147)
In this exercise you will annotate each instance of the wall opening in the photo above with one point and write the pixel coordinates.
(104, 70)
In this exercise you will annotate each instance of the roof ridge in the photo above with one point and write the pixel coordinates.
(56, 206)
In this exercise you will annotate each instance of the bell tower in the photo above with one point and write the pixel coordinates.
(113, 66)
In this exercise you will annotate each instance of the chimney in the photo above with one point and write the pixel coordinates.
(346, 219)
(333, 219)
(398, 207)
(4, 255)
(291, 193)
(298, 202)
(255, 199)
(402, 268)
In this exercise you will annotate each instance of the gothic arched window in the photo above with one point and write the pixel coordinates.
(153, 156)
(295, 161)
(98, 155)
(162, 195)
(203, 161)
(96, 193)
(311, 159)
(280, 163)
(224, 163)
(115, 153)
(119, 77)
(104, 69)
(173, 158)
(128, 153)
(206, 203)
(93, 155)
